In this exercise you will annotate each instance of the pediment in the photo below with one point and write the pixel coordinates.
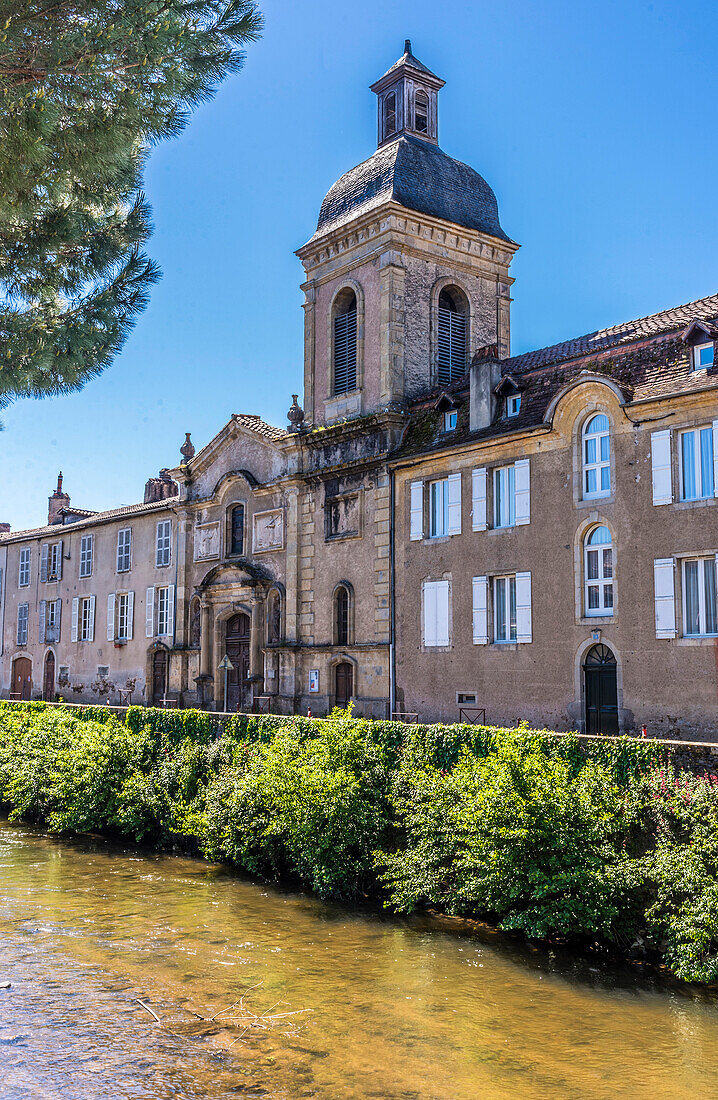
(238, 573)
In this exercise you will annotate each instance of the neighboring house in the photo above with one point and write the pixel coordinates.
(443, 527)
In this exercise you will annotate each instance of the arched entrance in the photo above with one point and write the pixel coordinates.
(239, 689)
(48, 680)
(343, 683)
(21, 678)
(601, 690)
(159, 675)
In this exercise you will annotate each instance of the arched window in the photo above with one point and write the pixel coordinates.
(596, 450)
(274, 618)
(236, 529)
(342, 615)
(345, 342)
(389, 114)
(598, 571)
(451, 343)
(421, 112)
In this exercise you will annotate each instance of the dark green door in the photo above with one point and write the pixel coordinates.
(601, 691)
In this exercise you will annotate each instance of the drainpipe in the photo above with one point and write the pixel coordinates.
(392, 617)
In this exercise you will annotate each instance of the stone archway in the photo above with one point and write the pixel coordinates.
(237, 647)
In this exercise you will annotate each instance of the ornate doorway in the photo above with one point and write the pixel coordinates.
(344, 683)
(48, 680)
(239, 688)
(601, 693)
(159, 675)
(21, 678)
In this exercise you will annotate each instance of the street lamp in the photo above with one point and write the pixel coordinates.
(226, 665)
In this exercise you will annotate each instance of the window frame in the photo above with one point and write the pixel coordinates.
(125, 550)
(342, 615)
(238, 505)
(600, 463)
(444, 483)
(54, 558)
(23, 624)
(163, 544)
(450, 420)
(503, 603)
(602, 580)
(698, 468)
(452, 342)
(23, 568)
(701, 561)
(513, 405)
(85, 625)
(160, 591)
(87, 555)
(345, 343)
(696, 356)
(500, 496)
(425, 98)
(122, 601)
(390, 97)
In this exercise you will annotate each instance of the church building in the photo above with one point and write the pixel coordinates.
(441, 530)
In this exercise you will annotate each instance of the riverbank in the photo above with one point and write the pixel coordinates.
(536, 834)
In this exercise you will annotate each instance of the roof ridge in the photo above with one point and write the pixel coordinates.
(109, 513)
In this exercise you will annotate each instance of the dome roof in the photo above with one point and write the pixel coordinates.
(418, 175)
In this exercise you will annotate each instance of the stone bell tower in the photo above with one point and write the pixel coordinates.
(407, 274)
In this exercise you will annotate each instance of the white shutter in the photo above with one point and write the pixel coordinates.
(416, 527)
(59, 560)
(661, 467)
(429, 613)
(171, 610)
(442, 612)
(478, 499)
(91, 636)
(43, 561)
(111, 617)
(715, 458)
(523, 607)
(664, 597)
(150, 613)
(480, 593)
(130, 613)
(453, 482)
(75, 604)
(58, 618)
(522, 491)
(43, 620)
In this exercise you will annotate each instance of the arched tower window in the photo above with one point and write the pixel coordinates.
(389, 114)
(236, 529)
(342, 615)
(345, 342)
(452, 336)
(421, 112)
(598, 571)
(596, 451)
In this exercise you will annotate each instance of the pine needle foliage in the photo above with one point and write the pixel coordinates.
(86, 88)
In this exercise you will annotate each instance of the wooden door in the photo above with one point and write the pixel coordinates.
(48, 680)
(159, 675)
(22, 678)
(344, 683)
(239, 689)
(601, 685)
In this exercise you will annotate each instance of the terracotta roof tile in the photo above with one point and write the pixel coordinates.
(95, 517)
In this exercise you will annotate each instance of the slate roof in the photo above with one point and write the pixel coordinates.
(419, 176)
(57, 529)
(407, 60)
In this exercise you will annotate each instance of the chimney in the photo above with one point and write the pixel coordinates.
(4, 528)
(160, 488)
(57, 502)
(485, 375)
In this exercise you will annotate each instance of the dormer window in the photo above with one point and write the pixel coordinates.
(389, 114)
(513, 404)
(703, 356)
(450, 420)
(421, 112)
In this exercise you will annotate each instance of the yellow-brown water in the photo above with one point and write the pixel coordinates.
(399, 1011)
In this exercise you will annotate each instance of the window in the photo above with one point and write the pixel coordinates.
(451, 342)
(466, 698)
(87, 618)
(505, 609)
(598, 572)
(699, 597)
(703, 356)
(236, 525)
(123, 618)
(53, 610)
(513, 404)
(438, 508)
(164, 612)
(164, 534)
(596, 457)
(341, 615)
(23, 614)
(436, 613)
(389, 114)
(23, 579)
(450, 419)
(421, 112)
(697, 464)
(124, 550)
(504, 497)
(54, 566)
(86, 555)
(345, 343)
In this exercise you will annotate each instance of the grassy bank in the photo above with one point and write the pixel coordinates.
(532, 832)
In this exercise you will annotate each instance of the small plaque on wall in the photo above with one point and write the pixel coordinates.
(313, 680)
(268, 530)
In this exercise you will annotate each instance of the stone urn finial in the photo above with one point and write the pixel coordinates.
(187, 448)
(295, 416)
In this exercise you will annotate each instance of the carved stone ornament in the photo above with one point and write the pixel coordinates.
(206, 542)
(187, 448)
(295, 416)
(268, 530)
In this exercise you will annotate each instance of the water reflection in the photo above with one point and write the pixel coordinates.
(398, 1009)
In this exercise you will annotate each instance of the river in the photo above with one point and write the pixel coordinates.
(391, 1010)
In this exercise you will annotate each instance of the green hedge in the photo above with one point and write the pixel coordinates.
(554, 837)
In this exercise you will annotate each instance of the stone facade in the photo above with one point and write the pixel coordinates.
(423, 536)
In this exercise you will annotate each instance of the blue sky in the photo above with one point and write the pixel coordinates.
(591, 121)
